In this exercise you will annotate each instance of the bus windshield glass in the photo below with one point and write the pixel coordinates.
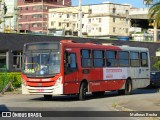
(41, 62)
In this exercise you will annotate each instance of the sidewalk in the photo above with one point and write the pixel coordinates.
(149, 102)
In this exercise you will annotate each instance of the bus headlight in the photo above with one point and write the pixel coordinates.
(59, 81)
(23, 81)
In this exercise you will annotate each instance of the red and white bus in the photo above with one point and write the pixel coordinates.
(67, 67)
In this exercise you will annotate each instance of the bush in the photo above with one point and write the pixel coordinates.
(156, 63)
(6, 77)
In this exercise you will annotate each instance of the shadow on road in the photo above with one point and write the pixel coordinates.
(71, 98)
(3, 108)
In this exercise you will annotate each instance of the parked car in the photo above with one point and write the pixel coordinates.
(155, 78)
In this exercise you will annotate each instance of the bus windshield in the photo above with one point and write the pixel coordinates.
(41, 62)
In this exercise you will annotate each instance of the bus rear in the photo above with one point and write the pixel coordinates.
(41, 69)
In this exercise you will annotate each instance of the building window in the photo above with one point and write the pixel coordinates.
(127, 12)
(26, 8)
(37, 16)
(90, 11)
(26, 17)
(114, 10)
(82, 25)
(114, 29)
(20, 26)
(45, 16)
(20, 17)
(45, 8)
(60, 15)
(52, 23)
(37, 24)
(27, 26)
(53, 15)
(100, 20)
(126, 21)
(67, 24)
(100, 29)
(126, 30)
(74, 16)
(68, 15)
(3, 60)
(89, 20)
(114, 19)
(17, 60)
(60, 24)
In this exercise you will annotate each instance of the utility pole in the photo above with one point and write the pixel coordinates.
(155, 38)
(80, 19)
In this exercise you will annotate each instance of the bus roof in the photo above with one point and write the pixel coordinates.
(103, 46)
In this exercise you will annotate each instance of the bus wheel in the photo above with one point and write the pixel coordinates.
(48, 97)
(98, 94)
(82, 91)
(128, 88)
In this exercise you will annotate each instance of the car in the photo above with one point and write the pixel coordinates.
(155, 78)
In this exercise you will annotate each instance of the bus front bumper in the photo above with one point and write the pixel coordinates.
(53, 90)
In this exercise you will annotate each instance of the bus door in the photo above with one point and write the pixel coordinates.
(70, 72)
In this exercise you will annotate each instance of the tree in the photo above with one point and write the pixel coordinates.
(154, 14)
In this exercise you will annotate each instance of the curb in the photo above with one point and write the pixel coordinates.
(121, 108)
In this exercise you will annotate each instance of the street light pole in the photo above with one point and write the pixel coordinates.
(80, 19)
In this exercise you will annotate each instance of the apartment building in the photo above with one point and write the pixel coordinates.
(64, 21)
(101, 20)
(33, 14)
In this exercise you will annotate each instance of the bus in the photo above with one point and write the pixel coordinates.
(70, 68)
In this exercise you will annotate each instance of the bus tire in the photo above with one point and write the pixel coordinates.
(82, 91)
(48, 97)
(128, 88)
(98, 94)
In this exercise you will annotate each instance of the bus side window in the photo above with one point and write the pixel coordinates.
(144, 59)
(70, 62)
(73, 64)
(111, 58)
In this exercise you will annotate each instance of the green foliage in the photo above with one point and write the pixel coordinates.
(158, 49)
(6, 77)
(156, 63)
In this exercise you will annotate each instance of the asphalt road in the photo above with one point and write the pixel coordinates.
(19, 102)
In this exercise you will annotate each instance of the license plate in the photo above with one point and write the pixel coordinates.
(40, 90)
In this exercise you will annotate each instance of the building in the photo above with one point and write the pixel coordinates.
(101, 20)
(9, 18)
(11, 46)
(33, 14)
(64, 21)
(142, 29)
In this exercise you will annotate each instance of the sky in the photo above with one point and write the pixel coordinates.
(134, 3)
